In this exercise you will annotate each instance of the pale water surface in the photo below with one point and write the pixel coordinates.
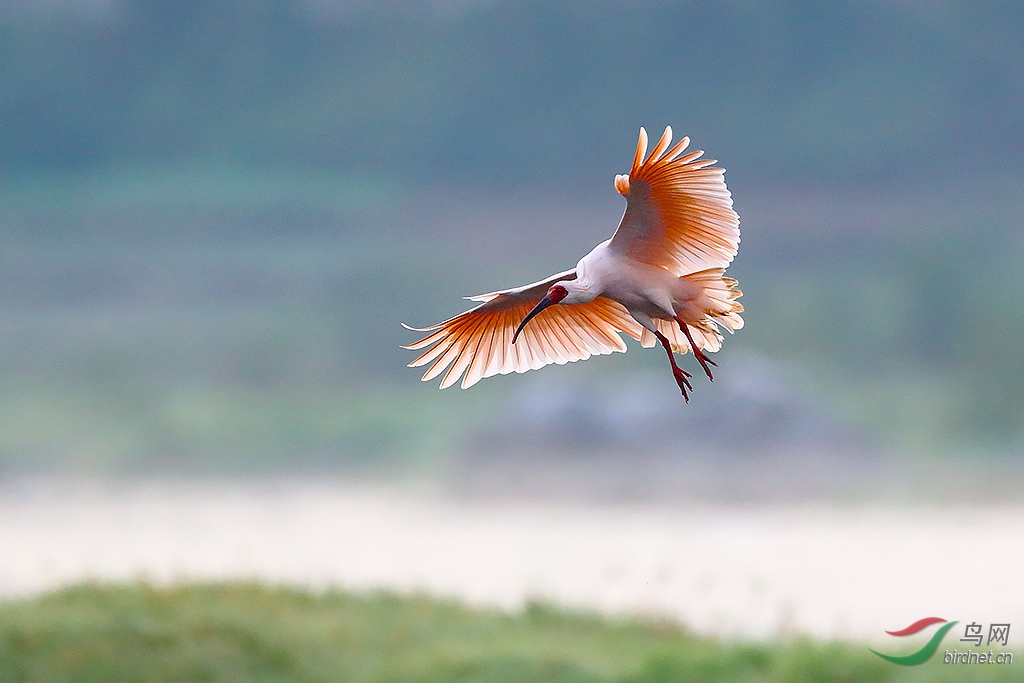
(750, 571)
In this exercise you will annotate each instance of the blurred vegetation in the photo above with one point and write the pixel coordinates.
(214, 213)
(236, 632)
(531, 91)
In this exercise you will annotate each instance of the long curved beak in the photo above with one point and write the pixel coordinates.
(541, 305)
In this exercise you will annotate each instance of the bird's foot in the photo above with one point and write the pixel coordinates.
(704, 361)
(699, 354)
(682, 376)
(683, 380)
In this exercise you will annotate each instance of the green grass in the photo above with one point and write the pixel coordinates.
(247, 632)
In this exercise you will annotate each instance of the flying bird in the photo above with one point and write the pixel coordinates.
(660, 278)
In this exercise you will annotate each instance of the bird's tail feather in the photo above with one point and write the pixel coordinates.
(720, 297)
(721, 309)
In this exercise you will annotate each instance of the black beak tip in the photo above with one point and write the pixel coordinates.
(544, 303)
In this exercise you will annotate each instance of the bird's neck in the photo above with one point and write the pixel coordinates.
(589, 272)
(581, 290)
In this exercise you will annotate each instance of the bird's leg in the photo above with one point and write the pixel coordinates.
(682, 376)
(701, 357)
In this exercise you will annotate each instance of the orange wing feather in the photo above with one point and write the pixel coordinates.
(478, 343)
(679, 213)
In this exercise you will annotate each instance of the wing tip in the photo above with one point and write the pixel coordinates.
(659, 149)
(641, 150)
(419, 329)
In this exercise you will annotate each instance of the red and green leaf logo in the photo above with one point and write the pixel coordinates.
(925, 653)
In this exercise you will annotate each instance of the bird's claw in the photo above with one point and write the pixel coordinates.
(698, 353)
(683, 380)
(704, 361)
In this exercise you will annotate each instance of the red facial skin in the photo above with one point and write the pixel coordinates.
(555, 294)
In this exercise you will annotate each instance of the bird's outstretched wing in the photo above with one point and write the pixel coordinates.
(478, 343)
(679, 212)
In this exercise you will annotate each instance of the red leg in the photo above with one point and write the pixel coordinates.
(701, 357)
(682, 376)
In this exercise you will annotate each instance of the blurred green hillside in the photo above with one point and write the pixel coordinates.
(233, 632)
(525, 92)
(215, 213)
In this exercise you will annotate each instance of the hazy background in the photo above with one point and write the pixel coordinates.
(215, 213)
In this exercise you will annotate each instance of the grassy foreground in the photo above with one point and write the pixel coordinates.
(248, 632)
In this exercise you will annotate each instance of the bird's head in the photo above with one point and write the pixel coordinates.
(556, 295)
